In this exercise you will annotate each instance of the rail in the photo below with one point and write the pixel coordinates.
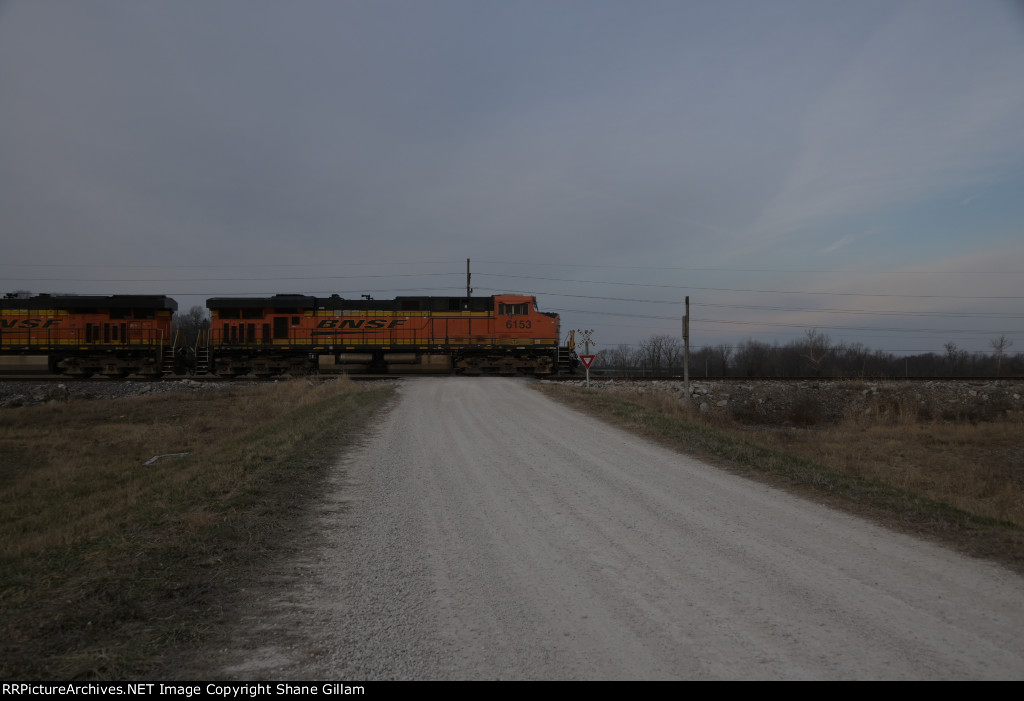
(796, 378)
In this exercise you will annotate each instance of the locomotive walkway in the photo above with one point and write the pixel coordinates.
(485, 532)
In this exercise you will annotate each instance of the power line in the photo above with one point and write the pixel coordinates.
(848, 328)
(994, 315)
(753, 291)
(761, 270)
(989, 315)
(780, 324)
(147, 266)
(232, 279)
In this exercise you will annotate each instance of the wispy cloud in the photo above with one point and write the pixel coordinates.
(906, 119)
(844, 241)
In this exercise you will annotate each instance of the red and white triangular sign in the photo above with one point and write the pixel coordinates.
(587, 360)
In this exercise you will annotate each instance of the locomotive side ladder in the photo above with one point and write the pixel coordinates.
(202, 353)
(167, 361)
(567, 355)
(168, 354)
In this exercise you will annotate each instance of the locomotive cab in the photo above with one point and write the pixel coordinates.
(517, 320)
(521, 340)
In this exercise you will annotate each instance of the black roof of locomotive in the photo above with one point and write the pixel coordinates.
(71, 301)
(275, 302)
(436, 304)
(409, 303)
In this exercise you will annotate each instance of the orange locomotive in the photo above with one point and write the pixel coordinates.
(83, 335)
(503, 334)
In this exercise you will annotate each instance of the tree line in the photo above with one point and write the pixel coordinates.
(813, 355)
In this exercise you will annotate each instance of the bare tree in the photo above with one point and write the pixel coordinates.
(661, 354)
(855, 357)
(621, 357)
(604, 358)
(190, 324)
(816, 348)
(999, 345)
(956, 356)
(672, 352)
(721, 354)
(753, 358)
(650, 354)
(618, 359)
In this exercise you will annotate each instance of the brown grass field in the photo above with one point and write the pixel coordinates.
(109, 564)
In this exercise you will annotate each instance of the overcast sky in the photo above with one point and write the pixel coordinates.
(855, 167)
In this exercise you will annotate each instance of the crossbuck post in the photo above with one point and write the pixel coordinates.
(585, 338)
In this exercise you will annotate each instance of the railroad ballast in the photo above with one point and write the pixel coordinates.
(121, 335)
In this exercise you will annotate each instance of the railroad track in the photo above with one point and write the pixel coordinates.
(45, 377)
(769, 378)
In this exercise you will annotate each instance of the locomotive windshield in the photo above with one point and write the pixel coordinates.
(513, 309)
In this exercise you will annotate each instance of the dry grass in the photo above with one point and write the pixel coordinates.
(107, 562)
(974, 466)
(955, 480)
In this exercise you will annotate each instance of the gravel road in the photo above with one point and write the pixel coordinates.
(486, 532)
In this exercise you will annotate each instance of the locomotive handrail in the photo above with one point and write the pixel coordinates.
(202, 340)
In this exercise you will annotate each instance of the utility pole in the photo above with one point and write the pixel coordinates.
(469, 290)
(686, 350)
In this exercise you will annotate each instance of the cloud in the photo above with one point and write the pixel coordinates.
(844, 241)
(908, 117)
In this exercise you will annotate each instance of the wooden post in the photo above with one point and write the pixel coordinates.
(686, 350)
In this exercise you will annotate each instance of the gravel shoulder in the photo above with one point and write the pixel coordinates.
(483, 531)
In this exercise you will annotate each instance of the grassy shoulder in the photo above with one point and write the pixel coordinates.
(110, 563)
(912, 478)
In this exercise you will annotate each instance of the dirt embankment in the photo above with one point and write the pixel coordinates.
(29, 393)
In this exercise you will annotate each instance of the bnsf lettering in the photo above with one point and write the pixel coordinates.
(27, 323)
(359, 324)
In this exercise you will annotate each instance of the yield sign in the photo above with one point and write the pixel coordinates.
(587, 360)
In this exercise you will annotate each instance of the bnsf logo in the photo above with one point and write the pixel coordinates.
(38, 323)
(359, 324)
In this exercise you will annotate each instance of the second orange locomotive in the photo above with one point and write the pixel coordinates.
(502, 334)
